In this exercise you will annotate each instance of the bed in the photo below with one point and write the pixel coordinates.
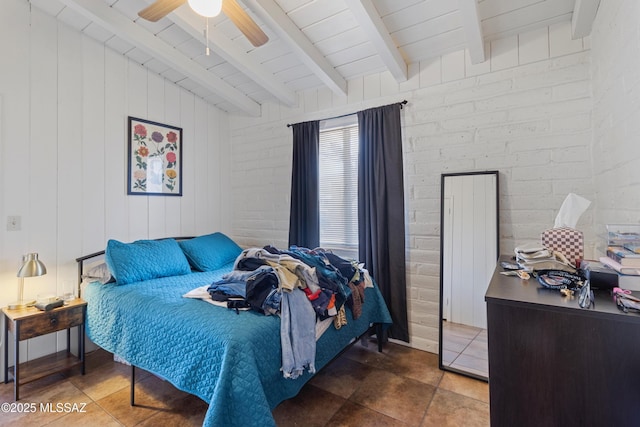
(230, 359)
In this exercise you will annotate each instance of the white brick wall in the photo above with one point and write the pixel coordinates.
(526, 112)
(616, 113)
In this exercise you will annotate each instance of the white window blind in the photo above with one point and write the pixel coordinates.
(339, 187)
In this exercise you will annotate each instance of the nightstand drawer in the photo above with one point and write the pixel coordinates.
(52, 321)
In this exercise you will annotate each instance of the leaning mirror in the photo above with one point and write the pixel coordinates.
(469, 249)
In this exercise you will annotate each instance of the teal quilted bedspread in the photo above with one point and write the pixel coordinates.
(227, 359)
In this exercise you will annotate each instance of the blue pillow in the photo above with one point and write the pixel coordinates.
(144, 260)
(210, 252)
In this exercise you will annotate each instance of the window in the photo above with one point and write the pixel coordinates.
(339, 186)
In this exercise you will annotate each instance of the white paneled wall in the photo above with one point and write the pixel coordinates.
(65, 101)
(616, 120)
(526, 112)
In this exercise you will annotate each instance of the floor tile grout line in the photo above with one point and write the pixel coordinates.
(433, 395)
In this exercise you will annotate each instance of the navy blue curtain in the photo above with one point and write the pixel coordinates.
(381, 227)
(304, 218)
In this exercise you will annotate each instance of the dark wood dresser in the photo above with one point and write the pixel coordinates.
(552, 363)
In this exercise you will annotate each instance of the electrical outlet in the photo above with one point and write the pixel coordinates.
(14, 223)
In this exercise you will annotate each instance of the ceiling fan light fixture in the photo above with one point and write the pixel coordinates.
(206, 8)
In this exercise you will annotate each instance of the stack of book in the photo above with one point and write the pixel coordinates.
(623, 254)
(626, 261)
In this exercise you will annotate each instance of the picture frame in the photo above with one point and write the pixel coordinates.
(154, 158)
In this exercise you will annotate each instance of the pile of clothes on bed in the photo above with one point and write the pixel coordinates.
(303, 286)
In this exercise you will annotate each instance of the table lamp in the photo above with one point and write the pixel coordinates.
(31, 267)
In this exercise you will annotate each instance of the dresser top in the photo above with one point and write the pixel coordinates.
(511, 290)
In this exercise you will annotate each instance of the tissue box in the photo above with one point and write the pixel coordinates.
(565, 240)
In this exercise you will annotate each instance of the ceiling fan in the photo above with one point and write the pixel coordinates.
(210, 8)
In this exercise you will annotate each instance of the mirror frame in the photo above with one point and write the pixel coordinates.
(442, 202)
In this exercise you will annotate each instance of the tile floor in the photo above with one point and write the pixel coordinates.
(399, 387)
(465, 348)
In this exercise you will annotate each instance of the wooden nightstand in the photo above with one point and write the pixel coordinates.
(31, 322)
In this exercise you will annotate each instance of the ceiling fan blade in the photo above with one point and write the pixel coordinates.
(248, 26)
(159, 9)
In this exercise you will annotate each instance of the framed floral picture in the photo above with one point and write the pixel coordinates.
(155, 159)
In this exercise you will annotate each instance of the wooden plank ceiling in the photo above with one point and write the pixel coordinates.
(312, 43)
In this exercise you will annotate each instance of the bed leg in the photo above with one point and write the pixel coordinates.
(133, 382)
(379, 336)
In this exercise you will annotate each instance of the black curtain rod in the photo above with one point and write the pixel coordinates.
(350, 114)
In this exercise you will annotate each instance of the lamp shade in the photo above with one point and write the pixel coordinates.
(206, 8)
(32, 266)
